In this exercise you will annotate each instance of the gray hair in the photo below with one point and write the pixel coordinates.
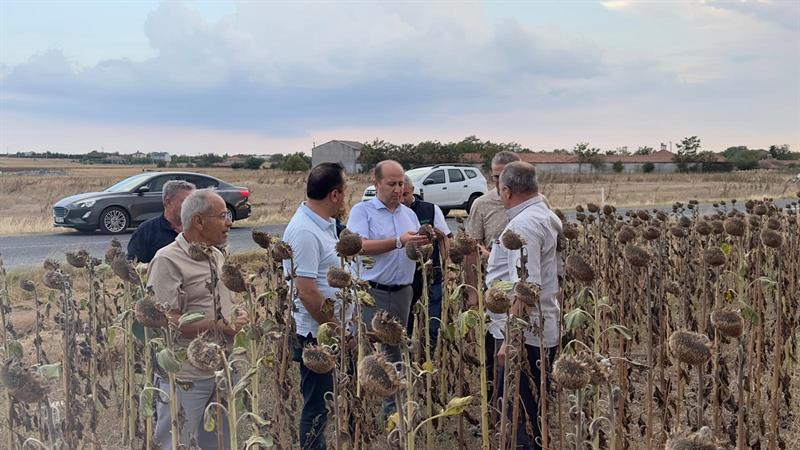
(407, 181)
(520, 178)
(504, 157)
(197, 203)
(173, 187)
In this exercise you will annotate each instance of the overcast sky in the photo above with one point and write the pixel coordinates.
(265, 77)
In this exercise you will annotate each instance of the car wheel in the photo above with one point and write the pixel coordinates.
(114, 220)
(471, 200)
(231, 214)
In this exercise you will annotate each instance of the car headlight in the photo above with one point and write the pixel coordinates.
(85, 203)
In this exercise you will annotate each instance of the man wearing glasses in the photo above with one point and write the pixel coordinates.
(486, 221)
(179, 277)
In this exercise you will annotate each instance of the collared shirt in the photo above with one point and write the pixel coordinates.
(487, 219)
(180, 283)
(150, 237)
(372, 220)
(539, 227)
(313, 240)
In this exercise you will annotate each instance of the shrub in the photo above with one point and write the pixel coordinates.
(648, 167)
(618, 167)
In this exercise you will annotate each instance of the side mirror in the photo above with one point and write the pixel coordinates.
(427, 182)
(142, 189)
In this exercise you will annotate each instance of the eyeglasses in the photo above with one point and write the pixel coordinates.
(221, 216)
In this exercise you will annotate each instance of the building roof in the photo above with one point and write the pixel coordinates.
(352, 144)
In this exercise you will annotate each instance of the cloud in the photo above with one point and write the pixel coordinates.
(289, 70)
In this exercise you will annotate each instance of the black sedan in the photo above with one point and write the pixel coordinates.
(136, 199)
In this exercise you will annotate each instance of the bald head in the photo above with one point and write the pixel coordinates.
(389, 183)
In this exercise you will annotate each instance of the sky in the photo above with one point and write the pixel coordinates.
(262, 77)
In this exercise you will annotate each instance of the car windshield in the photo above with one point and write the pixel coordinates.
(129, 183)
(417, 174)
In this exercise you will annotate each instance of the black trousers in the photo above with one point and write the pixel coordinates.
(528, 402)
(314, 386)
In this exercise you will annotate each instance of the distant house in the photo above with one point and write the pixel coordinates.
(138, 155)
(160, 156)
(345, 152)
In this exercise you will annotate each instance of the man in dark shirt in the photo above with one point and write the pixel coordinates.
(427, 213)
(160, 231)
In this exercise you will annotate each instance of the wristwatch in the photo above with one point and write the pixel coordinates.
(398, 243)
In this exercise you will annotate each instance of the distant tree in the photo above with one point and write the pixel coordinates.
(587, 155)
(295, 163)
(644, 151)
(648, 167)
(161, 163)
(253, 163)
(618, 167)
(783, 152)
(207, 160)
(275, 160)
(687, 153)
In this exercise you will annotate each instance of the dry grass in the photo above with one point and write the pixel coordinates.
(28, 189)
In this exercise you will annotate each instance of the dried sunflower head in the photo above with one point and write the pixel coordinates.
(319, 359)
(626, 234)
(760, 209)
(703, 228)
(608, 210)
(24, 385)
(377, 376)
(280, 251)
(598, 366)
(233, 278)
(527, 293)
(149, 313)
(714, 256)
(774, 224)
(678, 232)
(456, 256)
(579, 269)
(570, 231)
(27, 285)
(78, 258)
(338, 278)
(204, 355)
(690, 348)
(637, 256)
(592, 207)
(114, 250)
(264, 240)
(413, 251)
(734, 226)
(124, 270)
(651, 233)
(54, 279)
(51, 264)
(511, 240)
(571, 373)
(464, 244)
(685, 222)
(728, 322)
(349, 244)
(387, 329)
(771, 238)
(427, 231)
(497, 301)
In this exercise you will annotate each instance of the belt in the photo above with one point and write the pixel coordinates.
(387, 287)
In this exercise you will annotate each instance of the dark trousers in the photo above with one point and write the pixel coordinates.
(314, 386)
(434, 306)
(529, 403)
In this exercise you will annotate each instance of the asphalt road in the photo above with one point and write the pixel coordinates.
(32, 250)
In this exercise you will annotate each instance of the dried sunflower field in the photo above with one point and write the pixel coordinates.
(679, 331)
